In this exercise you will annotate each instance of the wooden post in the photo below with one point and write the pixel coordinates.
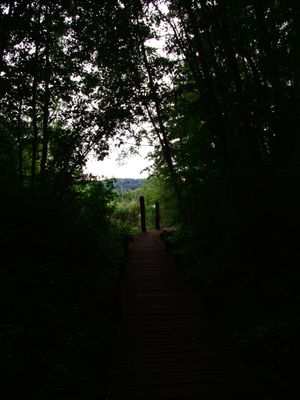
(157, 216)
(143, 213)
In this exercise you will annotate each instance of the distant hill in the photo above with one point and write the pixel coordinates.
(126, 184)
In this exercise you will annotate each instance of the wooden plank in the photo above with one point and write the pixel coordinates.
(170, 378)
(178, 357)
(167, 348)
(192, 397)
(178, 326)
(178, 348)
(225, 389)
(183, 367)
(171, 342)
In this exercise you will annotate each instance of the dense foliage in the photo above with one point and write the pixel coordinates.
(229, 145)
(63, 93)
(123, 185)
(154, 189)
(59, 292)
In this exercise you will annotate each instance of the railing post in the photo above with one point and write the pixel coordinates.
(157, 216)
(143, 213)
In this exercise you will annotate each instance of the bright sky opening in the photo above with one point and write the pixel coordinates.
(132, 166)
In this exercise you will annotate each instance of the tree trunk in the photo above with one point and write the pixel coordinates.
(20, 145)
(207, 88)
(45, 138)
(162, 134)
(242, 105)
(296, 57)
(34, 119)
(5, 31)
(269, 66)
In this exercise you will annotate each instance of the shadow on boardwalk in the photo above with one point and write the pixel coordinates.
(166, 347)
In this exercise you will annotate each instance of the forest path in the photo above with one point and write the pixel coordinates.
(166, 347)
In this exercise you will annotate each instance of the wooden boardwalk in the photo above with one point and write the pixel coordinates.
(166, 347)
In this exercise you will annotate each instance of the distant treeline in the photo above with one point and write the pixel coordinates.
(128, 184)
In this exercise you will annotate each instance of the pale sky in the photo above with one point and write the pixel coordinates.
(111, 167)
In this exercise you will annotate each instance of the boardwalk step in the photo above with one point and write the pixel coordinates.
(166, 347)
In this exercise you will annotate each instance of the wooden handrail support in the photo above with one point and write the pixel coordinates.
(164, 235)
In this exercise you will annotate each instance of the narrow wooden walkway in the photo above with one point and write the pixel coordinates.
(166, 347)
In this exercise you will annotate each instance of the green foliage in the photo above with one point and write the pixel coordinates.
(154, 189)
(128, 184)
(67, 87)
(227, 122)
(158, 189)
(55, 63)
(228, 143)
(8, 158)
(126, 210)
(61, 258)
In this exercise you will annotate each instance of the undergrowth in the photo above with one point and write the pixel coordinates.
(258, 304)
(59, 284)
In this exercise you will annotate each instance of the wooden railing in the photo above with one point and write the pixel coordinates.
(143, 215)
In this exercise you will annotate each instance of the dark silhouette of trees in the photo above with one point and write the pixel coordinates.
(232, 123)
(67, 86)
